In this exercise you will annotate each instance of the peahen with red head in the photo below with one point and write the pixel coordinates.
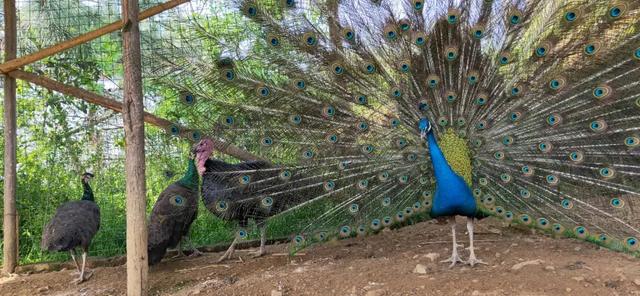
(534, 106)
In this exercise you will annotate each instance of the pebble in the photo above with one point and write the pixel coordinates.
(525, 263)
(420, 269)
(474, 281)
(276, 293)
(549, 268)
(637, 282)
(299, 270)
(475, 293)
(379, 292)
(432, 256)
(568, 289)
(578, 278)
(43, 289)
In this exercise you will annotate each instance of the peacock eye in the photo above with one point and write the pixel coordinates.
(178, 200)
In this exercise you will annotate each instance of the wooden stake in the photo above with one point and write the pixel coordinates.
(10, 251)
(132, 114)
(84, 38)
(116, 106)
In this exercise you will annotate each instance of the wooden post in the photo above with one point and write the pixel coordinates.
(132, 113)
(10, 257)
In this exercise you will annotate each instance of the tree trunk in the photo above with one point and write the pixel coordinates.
(132, 113)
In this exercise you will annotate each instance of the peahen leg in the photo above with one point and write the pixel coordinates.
(263, 240)
(73, 256)
(455, 258)
(472, 255)
(82, 278)
(229, 252)
(180, 253)
(195, 251)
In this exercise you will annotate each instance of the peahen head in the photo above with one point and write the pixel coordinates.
(86, 177)
(201, 153)
(425, 127)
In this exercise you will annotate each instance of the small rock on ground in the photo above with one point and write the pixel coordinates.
(420, 269)
(520, 265)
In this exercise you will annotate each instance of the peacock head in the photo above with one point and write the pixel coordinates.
(425, 127)
(86, 177)
(201, 153)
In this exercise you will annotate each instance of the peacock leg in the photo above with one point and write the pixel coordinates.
(263, 240)
(455, 258)
(195, 251)
(472, 255)
(229, 252)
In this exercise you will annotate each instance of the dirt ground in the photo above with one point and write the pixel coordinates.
(396, 262)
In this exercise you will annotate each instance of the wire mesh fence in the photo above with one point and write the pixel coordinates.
(60, 137)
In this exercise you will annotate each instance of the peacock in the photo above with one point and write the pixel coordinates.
(73, 226)
(393, 112)
(251, 190)
(174, 212)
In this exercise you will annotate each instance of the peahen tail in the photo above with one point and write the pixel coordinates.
(536, 104)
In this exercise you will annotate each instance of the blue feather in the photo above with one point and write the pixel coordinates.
(453, 195)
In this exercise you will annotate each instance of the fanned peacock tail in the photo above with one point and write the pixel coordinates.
(541, 100)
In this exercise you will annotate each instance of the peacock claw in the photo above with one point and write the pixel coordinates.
(257, 254)
(454, 259)
(473, 261)
(196, 253)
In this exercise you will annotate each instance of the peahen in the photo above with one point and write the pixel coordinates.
(73, 226)
(535, 108)
(174, 211)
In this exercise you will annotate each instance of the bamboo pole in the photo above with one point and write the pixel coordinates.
(10, 237)
(132, 114)
(116, 106)
(84, 38)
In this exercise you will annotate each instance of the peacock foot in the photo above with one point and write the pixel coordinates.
(455, 258)
(258, 253)
(473, 261)
(196, 253)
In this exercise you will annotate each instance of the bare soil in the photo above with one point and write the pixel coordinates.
(395, 262)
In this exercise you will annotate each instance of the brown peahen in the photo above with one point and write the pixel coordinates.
(391, 112)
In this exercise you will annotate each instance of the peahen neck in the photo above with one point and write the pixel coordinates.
(88, 193)
(190, 179)
(440, 165)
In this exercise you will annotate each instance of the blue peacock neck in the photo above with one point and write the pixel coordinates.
(87, 192)
(191, 178)
(440, 165)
